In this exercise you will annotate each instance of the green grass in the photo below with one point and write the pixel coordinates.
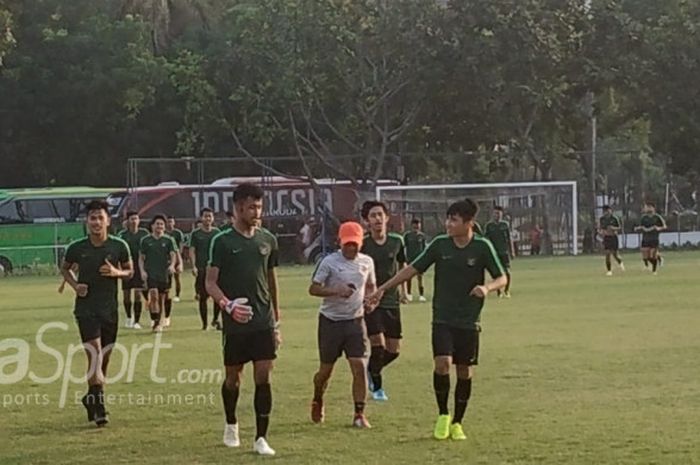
(576, 369)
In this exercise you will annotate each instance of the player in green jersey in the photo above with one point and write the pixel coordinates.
(157, 261)
(650, 225)
(383, 324)
(609, 227)
(101, 261)
(415, 242)
(179, 238)
(241, 278)
(199, 247)
(461, 259)
(498, 232)
(132, 235)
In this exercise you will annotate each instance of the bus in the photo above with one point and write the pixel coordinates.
(289, 204)
(37, 224)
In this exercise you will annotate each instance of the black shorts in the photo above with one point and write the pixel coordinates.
(611, 243)
(336, 337)
(135, 282)
(504, 259)
(241, 348)
(385, 321)
(162, 286)
(104, 327)
(459, 343)
(200, 286)
(650, 243)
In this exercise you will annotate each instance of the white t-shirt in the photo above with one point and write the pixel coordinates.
(335, 270)
(305, 233)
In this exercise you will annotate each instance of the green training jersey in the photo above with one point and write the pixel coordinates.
(457, 272)
(649, 220)
(414, 242)
(133, 240)
(499, 235)
(200, 241)
(388, 258)
(177, 235)
(477, 229)
(608, 222)
(101, 298)
(243, 265)
(156, 256)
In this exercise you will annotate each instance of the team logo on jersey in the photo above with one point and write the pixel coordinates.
(264, 249)
(471, 261)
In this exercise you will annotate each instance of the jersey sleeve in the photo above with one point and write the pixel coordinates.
(371, 275)
(124, 252)
(401, 255)
(493, 264)
(72, 254)
(274, 260)
(323, 271)
(660, 221)
(427, 257)
(216, 252)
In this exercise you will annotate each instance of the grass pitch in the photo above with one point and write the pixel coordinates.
(577, 368)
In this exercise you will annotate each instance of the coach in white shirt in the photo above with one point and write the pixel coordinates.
(342, 279)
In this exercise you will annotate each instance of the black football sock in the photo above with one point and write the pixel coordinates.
(608, 263)
(421, 290)
(230, 398)
(168, 307)
(510, 280)
(618, 259)
(217, 310)
(376, 363)
(138, 308)
(127, 308)
(463, 391)
(654, 264)
(203, 312)
(646, 262)
(263, 407)
(389, 357)
(441, 385)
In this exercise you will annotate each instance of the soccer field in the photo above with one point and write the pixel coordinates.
(577, 368)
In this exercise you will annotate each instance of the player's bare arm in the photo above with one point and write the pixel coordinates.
(125, 270)
(319, 290)
(484, 290)
(193, 260)
(69, 277)
(142, 267)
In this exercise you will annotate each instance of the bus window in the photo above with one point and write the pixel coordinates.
(63, 209)
(9, 213)
(38, 209)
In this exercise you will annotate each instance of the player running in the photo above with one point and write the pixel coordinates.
(343, 279)
(651, 225)
(609, 227)
(199, 246)
(461, 259)
(414, 241)
(157, 261)
(383, 324)
(498, 232)
(132, 235)
(101, 260)
(241, 278)
(179, 237)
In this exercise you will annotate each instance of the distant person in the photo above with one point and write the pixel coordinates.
(305, 238)
(535, 240)
(134, 286)
(230, 219)
(200, 241)
(498, 232)
(650, 225)
(179, 238)
(609, 227)
(415, 245)
(157, 261)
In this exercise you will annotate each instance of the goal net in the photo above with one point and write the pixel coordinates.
(542, 215)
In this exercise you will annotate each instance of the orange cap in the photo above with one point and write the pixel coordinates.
(351, 232)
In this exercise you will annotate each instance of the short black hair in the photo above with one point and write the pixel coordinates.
(205, 210)
(607, 207)
(416, 221)
(247, 191)
(171, 217)
(97, 204)
(466, 209)
(497, 208)
(131, 213)
(649, 203)
(369, 205)
(229, 213)
(158, 217)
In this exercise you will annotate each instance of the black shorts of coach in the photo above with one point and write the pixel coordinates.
(135, 282)
(162, 286)
(611, 243)
(459, 343)
(98, 326)
(255, 346)
(650, 243)
(386, 321)
(336, 337)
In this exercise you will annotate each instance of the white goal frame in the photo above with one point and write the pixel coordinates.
(572, 184)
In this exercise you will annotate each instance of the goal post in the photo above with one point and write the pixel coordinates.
(550, 207)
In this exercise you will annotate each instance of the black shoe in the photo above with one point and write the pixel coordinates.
(216, 325)
(101, 415)
(89, 406)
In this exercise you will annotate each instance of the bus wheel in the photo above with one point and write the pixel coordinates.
(5, 265)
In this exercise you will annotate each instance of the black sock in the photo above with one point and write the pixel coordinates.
(441, 385)
(359, 408)
(127, 308)
(155, 317)
(230, 398)
(608, 263)
(263, 407)
(510, 280)
(203, 312)
(421, 290)
(646, 262)
(463, 391)
(389, 357)
(654, 263)
(138, 307)
(217, 310)
(618, 259)
(376, 363)
(168, 307)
